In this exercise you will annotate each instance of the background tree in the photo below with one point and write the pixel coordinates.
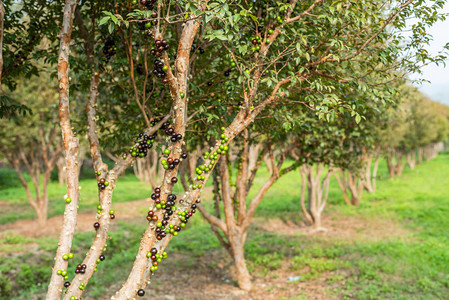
(32, 144)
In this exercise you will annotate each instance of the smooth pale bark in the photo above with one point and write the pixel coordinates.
(71, 147)
(60, 164)
(317, 193)
(370, 172)
(351, 185)
(147, 169)
(395, 163)
(419, 158)
(411, 159)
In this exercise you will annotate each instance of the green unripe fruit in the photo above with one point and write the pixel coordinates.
(106, 183)
(68, 200)
(158, 206)
(66, 277)
(223, 136)
(175, 233)
(183, 218)
(200, 186)
(221, 147)
(165, 68)
(99, 207)
(148, 25)
(64, 273)
(165, 167)
(71, 255)
(65, 257)
(270, 31)
(159, 224)
(226, 148)
(111, 212)
(199, 172)
(134, 154)
(194, 186)
(59, 272)
(98, 211)
(226, 139)
(149, 254)
(164, 161)
(202, 167)
(73, 298)
(182, 225)
(141, 154)
(98, 260)
(233, 64)
(182, 95)
(167, 151)
(164, 254)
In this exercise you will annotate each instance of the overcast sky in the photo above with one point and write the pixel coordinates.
(438, 89)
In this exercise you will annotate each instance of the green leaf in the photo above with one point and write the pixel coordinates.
(104, 21)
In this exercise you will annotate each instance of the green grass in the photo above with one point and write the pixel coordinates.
(415, 267)
(16, 206)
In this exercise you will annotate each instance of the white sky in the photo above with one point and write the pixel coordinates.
(438, 89)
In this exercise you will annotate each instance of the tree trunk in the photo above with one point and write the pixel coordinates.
(237, 241)
(394, 163)
(41, 212)
(60, 164)
(317, 193)
(350, 184)
(374, 176)
(420, 156)
(411, 159)
(369, 180)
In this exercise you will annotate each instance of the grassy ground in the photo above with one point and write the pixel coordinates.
(405, 258)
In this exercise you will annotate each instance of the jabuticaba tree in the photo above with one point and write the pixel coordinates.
(427, 126)
(319, 143)
(417, 124)
(32, 145)
(243, 159)
(207, 57)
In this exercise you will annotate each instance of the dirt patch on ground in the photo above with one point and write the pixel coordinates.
(202, 281)
(341, 227)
